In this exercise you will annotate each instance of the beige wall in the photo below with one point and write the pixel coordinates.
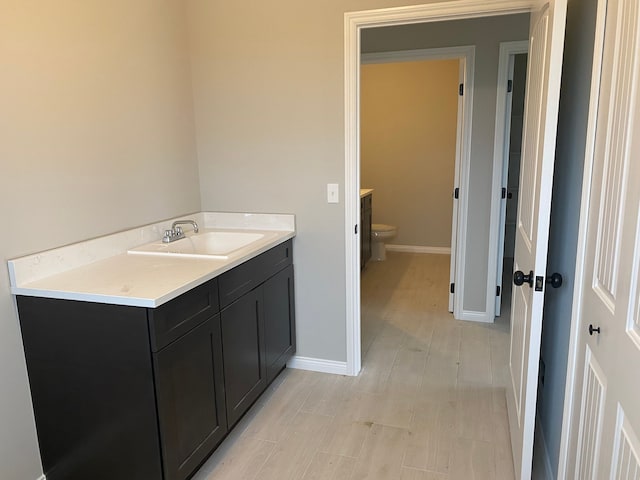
(96, 136)
(408, 115)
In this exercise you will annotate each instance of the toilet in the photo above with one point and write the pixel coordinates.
(380, 233)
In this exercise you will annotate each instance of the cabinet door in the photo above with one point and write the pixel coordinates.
(365, 229)
(190, 392)
(243, 351)
(366, 233)
(90, 373)
(279, 321)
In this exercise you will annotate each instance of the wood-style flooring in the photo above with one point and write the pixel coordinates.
(429, 403)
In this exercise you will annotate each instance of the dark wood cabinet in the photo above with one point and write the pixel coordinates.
(90, 373)
(191, 403)
(148, 393)
(244, 355)
(365, 229)
(258, 327)
(279, 319)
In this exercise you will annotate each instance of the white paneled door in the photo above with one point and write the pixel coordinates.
(603, 441)
(546, 42)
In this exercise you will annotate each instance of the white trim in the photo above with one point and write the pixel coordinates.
(418, 249)
(439, 11)
(548, 471)
(570, 396)
(354, 22)
(317, 365)
(463, 167)
(456, 183)
(501, 146)
(472, 316)
(398, 56)
(351, 188)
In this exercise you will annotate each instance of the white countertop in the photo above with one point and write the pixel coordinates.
(365, 191)
(101, 271)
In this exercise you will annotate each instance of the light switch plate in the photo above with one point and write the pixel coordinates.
(333, 193)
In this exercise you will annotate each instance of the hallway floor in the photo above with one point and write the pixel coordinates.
(429, 403)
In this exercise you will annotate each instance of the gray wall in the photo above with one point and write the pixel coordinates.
(269, 105)
(96, 136)
(486, 34)
(565, 213)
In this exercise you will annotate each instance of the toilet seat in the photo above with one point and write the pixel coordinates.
(381, 227)
(380, 231)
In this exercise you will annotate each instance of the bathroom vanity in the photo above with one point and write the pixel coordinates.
(146, 388)
(366, 198)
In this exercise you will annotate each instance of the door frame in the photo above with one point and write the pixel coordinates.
(571, 398)
(354, 22)
(462, 163)
(501, 144)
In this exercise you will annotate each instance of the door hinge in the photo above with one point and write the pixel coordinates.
(356, 229)
(498, 290)
(456, 193)
(504, 192)
(510, 86)
(452, 288)
(461, 89)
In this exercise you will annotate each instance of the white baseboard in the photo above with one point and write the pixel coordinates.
(418, 249)
(548, 471)
(318, 365)
(471, 316)
(42, 477)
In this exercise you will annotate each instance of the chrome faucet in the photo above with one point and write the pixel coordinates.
(185, 222)
(176, 232)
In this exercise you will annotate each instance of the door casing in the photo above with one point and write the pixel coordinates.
(501, 145)
(466, 59)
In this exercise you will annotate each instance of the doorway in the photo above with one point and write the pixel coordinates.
(415, 143)
(547, 26)
(508, 145)
(482, 303)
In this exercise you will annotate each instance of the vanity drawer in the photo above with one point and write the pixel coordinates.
(245, 277)
(176, 317)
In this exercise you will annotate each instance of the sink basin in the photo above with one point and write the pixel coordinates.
(205, 245)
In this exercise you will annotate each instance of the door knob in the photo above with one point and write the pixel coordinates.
(555, 280)
(593, 330)
(519, 278)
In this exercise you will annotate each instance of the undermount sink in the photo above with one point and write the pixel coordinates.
(202, 245)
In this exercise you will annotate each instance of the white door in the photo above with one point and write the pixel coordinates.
(603, 442)
(546, 43)
(456, 184)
